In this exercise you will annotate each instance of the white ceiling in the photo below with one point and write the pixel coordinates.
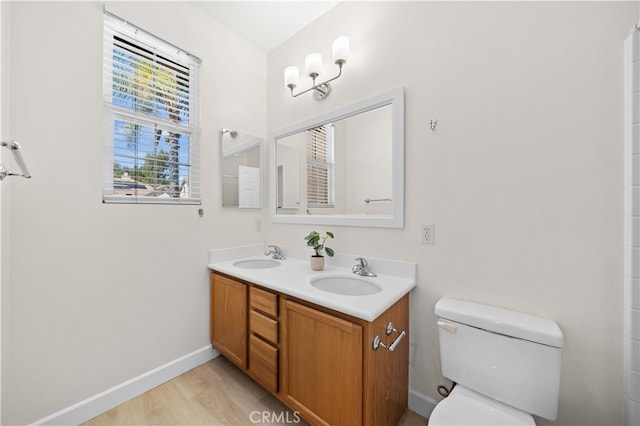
(265, 24)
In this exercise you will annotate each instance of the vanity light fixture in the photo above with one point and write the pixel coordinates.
(313, 65)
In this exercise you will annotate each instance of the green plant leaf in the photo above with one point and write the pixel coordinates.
(316, 241)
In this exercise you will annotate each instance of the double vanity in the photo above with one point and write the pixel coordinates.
(331, 344)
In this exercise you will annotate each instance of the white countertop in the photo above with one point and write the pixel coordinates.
(293, 277)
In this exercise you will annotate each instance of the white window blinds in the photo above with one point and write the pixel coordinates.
(320, 166)
(151, 118)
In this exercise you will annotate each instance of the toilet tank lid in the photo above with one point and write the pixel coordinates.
(499, 320)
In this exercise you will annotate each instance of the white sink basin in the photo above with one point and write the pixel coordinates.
(257, 264)
(345, 285)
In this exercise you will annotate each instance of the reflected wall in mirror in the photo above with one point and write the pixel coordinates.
(241, 169)
(343, 168)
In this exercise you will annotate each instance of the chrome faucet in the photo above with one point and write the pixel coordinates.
(274, 252)
(362, 268)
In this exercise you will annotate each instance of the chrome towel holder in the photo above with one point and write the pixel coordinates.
(377, 341)
(369, 200)
(15, 149)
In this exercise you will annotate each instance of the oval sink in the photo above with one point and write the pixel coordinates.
(346, 285)
(257, 264)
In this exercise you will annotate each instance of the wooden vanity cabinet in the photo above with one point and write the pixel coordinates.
(332, 374)
(317, 361)
(263, 337)
(245, 328)
(386, 374)
(322, 366)
(229, 318)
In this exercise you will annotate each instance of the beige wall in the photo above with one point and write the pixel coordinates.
(99, 294)
(523, 177)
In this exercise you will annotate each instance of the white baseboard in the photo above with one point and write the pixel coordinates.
(111, 398)
(421, 404)
(104, 401)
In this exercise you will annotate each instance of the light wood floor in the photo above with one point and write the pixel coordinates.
(216, 393)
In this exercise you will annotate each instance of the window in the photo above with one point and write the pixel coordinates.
(151, 118)
(320, 166)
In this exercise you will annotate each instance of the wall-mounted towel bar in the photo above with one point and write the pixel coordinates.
(369, 200)
(15, 148)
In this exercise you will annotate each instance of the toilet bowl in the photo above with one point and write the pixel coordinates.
(466, 407)
(506, 365)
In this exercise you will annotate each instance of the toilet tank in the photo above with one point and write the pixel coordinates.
(508, 356)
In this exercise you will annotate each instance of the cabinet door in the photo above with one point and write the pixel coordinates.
(229, 319)
(322, 366)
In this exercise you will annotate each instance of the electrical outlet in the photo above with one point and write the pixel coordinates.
(426, 234)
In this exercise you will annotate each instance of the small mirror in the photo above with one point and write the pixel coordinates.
(343, 168)
(241, 160)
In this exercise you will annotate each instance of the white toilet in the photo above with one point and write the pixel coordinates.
(506, 365)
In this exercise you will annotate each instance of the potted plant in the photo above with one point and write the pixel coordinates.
(316, 241)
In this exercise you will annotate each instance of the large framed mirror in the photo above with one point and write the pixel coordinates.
(345, 167)
(241, 169)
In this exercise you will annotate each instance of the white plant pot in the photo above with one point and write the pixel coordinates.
(317, 263)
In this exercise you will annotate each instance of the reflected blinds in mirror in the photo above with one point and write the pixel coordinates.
(320, 166)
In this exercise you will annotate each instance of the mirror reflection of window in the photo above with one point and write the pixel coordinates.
(320, 166)
(342, 165)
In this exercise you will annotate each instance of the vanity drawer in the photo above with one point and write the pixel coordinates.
(263, 326)
(263, 301)
(263, 363)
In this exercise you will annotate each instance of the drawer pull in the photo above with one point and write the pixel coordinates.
(377, 342)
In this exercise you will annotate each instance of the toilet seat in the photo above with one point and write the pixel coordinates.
(466, 407)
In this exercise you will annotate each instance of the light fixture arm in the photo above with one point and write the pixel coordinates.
(313, 67)
(323, 89)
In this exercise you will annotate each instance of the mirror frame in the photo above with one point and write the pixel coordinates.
(395, 98)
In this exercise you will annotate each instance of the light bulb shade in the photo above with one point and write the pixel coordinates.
(291, 76)
(313, 64)
(341, 50)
